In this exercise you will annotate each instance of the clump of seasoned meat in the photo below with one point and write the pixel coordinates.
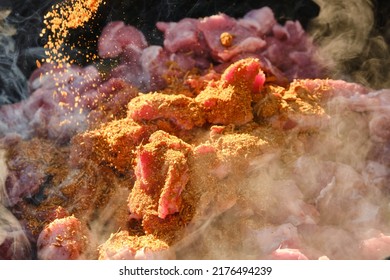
(294, 107)
(112, 144)
(226, 101)
(162, 174)
(180, 110)
(122, 246)
(216, 167)
(229, 100)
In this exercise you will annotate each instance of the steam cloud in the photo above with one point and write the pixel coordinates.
(347, 35)
(13, 84)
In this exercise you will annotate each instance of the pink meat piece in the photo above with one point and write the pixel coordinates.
(364, 102)
(149, 68)
(376, 248)
(179, 109)
(290, 50)
(379, 126)
(49, 76)
(376, 174)
(110, 144)
(271, 238)
(130, 68)
(130, 74)
(204, 149)
(55, 108)
(312, 175)
(116, 36)
(122, 246)
(280, 32)
(229, 101)
(26, 163)
(62, 239)
(109, 100)
(347, 188)
(295, 32)
(244, 40)
(162, 173)
(131, 56)
(287, 254)
(184, 62)
(183, 36)
(289, 205)
(262, 20)
(13, 120)
(154, 63)
(328, 240)
(255, 35)
(24, 181)
(244, 74)
(247, 45)
(343, 88)
(48, 115)
(170, 199)
(380, 153)
(144, 170)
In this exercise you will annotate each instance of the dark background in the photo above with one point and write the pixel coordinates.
(27, 17)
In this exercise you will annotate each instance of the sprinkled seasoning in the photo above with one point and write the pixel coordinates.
(70, 14)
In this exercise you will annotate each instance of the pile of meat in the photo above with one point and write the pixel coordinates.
(221, 144)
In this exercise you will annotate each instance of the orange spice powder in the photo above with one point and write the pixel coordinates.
(70, 14)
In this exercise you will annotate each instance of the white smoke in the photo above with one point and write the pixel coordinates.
(355, 51)
(13, 84)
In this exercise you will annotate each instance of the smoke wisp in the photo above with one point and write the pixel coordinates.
(348, 36)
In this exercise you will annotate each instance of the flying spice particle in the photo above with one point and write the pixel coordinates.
(63, 17)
